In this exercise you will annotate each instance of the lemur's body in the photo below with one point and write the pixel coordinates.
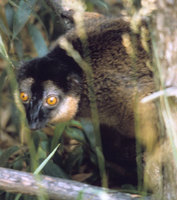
(120, 80)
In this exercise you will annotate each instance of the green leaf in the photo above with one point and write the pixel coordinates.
(9, 196)
(4, 29)
(76, 134)
(75, 123)
(22, 15)
(18, 164)
(2, 81)
(80, 195)
(9, 12)
(19, 48)
(41, 152)
(45, 145)
(4, 54)
(38, 40)
(6, 154)
(3, 49)
(101, 164)
(27, 197)
(51, 169)
(89, 132)
(99, 4)
(57, 134)
(75, 159)
(38, 137)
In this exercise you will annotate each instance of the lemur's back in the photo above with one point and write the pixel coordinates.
(121, 70)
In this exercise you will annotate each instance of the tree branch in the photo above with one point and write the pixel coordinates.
(55, 188)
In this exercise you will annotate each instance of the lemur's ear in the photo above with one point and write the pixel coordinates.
(73, 77)
(74, 82)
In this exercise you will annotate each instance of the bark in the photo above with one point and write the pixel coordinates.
(56, 188)
(165, 31)
(164, 39)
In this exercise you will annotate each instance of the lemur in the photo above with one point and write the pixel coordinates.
(53, 88)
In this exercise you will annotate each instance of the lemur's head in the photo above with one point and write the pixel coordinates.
(50, 88)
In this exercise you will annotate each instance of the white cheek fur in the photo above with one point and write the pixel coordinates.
(66, 110)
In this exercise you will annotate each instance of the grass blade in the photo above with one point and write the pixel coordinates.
(42, 165)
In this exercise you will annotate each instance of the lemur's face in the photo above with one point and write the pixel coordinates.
(49, 90)
(45, 102)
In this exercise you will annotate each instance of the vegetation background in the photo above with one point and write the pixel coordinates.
(27, 30)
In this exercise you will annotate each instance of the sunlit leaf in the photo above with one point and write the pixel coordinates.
(99, 3)
(22, 15)
(38, 41)
(75, 123)
(42, 165)
(3, 49)
(4, 54)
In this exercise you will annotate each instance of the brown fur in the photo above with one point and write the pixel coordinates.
(121, 64)
(120, 80)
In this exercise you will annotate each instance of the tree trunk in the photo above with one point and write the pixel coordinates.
(164, 40)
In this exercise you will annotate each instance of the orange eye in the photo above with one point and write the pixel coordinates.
(24, 97)
(52, 100)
